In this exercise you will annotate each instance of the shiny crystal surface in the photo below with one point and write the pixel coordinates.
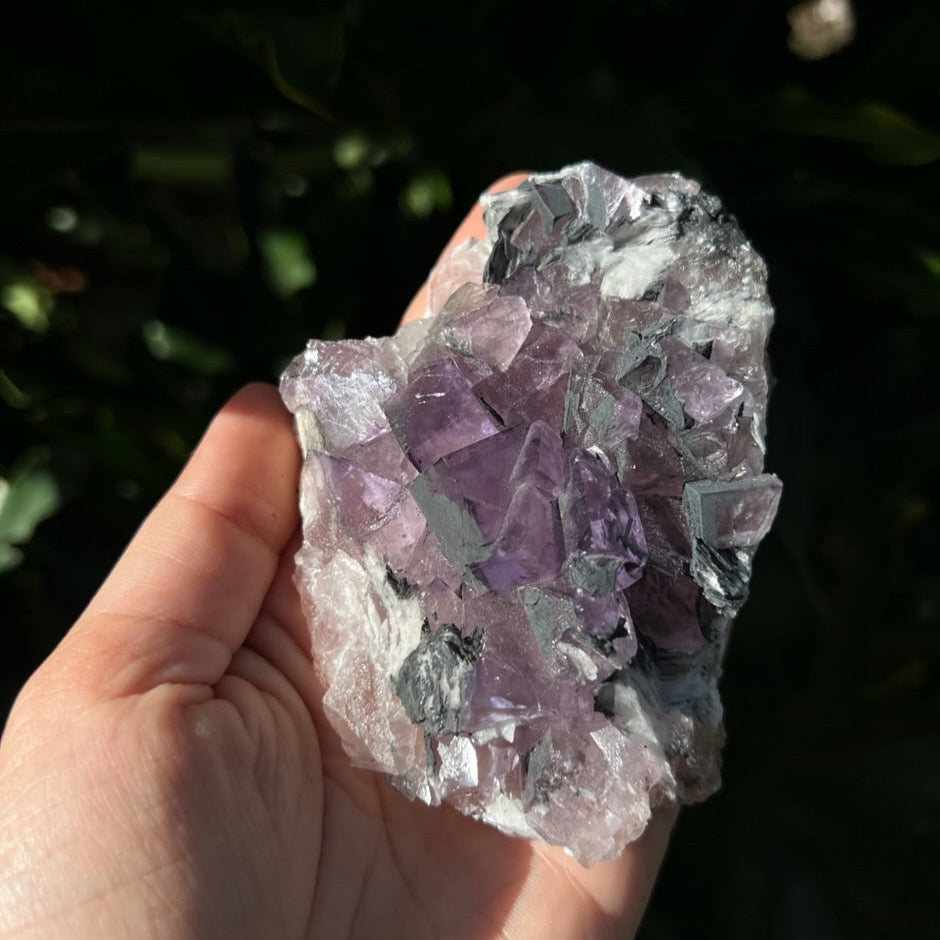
(529, 519)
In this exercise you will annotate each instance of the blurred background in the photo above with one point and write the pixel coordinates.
(188, 193)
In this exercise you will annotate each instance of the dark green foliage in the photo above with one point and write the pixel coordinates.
(187, 194)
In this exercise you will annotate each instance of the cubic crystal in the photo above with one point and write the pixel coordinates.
(530, 518)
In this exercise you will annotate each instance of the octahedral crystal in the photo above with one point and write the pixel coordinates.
(529, 518)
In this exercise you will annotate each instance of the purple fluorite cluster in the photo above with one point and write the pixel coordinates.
(529, 518)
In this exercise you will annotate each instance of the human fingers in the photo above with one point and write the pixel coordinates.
(185, 593)
(471, 227)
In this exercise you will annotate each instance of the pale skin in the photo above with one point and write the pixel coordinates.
(168, 771)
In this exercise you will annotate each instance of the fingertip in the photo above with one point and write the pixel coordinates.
(473, 226)
(254, 413)
(509, 181)
(259, 405)
(259, 398)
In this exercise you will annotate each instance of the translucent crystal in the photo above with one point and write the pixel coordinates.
(530, 518)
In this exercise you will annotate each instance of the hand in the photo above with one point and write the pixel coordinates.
(168, 771)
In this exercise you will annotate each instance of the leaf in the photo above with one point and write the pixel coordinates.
(289, 265)
(885, 134)
(29, 303)
(29, 496)
(301, 56)
(182, 348)
(427, 192)
(182, 165)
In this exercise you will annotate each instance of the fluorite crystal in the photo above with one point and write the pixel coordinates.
(529, 518)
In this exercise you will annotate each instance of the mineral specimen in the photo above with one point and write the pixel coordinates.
(529, 518)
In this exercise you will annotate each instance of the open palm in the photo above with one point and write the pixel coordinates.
(168, 771)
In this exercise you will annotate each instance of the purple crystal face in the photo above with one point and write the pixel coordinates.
(530, 518)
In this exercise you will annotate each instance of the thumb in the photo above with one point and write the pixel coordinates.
(188, 588)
